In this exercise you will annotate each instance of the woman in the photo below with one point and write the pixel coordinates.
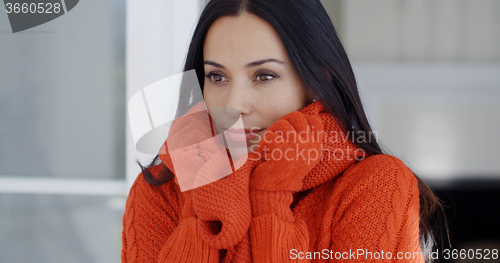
(281, 66)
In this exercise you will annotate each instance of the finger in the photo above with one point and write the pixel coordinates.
(186, 165)
(297, 121)
(281, 124)
(213, 145)
(315, 123)
(182, 136)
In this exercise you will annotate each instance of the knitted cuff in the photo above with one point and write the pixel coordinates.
(272, 239)
(185, 245)
(272, 202)
(225, 233)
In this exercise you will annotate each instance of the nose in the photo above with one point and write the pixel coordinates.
(239, 99)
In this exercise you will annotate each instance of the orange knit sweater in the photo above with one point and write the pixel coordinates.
(346, 210)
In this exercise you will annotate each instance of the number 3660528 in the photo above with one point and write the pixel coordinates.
(40, 8)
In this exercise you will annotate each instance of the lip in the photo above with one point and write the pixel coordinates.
(241, 135)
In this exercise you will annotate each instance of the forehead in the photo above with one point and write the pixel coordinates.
(241, 40)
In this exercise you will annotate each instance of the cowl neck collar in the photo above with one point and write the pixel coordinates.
(338, 150)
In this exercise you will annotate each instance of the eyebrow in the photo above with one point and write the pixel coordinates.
(249, 65)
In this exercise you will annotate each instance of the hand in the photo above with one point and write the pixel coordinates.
(214, 194)
(223, 206)
(290, 148)
(180, 152)
(189, 129)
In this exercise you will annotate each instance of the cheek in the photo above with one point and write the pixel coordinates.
(290, 97)
(215, 96)
(209, 96)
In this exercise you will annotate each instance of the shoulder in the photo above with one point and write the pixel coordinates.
(151, 215)
(382, 174)
(378, 199)
(165, 197)
(140, 183)
(380, 167)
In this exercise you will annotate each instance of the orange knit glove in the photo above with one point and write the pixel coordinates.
(290, 148)
(222, 205)
(216, 195)
(182, 147)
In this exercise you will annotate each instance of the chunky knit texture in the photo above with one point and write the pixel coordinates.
(344, 206)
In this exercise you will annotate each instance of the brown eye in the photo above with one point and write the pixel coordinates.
(266, 76)
(215, 78)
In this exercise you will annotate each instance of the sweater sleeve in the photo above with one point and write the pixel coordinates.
(376, 213)
(274, 231)
(153, 230)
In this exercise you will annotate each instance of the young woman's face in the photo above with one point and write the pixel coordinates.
(247, 69)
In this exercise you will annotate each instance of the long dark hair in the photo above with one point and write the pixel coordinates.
(321, 63)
